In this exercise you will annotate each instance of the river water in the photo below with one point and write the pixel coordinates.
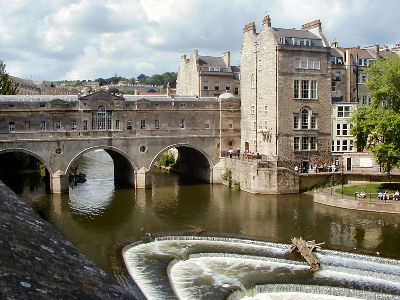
(94, 215)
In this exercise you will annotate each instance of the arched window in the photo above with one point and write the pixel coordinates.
(101, 120)
(305, 118)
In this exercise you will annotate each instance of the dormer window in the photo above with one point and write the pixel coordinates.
(301, 42)
(282, 40)
(214, 69)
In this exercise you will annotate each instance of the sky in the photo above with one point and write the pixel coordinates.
(88, 39)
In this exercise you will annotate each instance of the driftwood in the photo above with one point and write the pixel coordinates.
(306, 248)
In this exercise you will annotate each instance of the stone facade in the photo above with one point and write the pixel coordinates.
(207, 76)
(286, 92)
(135, 130)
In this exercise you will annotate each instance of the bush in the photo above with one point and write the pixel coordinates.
(167, 159)
(227, 176)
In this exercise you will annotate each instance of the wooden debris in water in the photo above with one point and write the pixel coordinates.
(306, 250)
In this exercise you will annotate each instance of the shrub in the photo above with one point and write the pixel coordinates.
(167, 159)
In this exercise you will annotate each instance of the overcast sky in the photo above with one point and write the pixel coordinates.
(88, 39)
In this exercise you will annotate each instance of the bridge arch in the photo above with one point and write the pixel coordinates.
(124, 168)
(192, 161)
(31, 153)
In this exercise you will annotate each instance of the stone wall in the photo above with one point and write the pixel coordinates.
(38, 263)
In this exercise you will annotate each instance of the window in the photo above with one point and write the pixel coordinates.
(142, 124)
(307, 89)
(266, 124)
(314, 122)
(157, 124)
(101, 120)
(42, 105)
(117, 124)
(363, 62)
(214, 69)
(260, 125)
(228, 86)
(11, 127)
(205, 85)
(342, 145)
(311, 63)
(282, 40)
(333, 86)
(304, 64)
(362, 78)
(296, 92)
(317, 64)
(253, 110)
(305, 140)
(207, 124)
(338, 76)
(183, 105)
(217, 85)
(296, 122)
(43, 125)
(85, 125)
(343, 129)
(11, 106)
(265, 108)
(182, 124)
(236, 91)
(253, 81)
(296, 143)
(129, 125)
(230, 124)
(301, 42)
(297, 63)
(57, 126)
(314, 89)
(305, 118)
(313, 143)
(73, 125)
(344, 111)
(259, 65)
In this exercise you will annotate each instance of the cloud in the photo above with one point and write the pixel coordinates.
(87, 39)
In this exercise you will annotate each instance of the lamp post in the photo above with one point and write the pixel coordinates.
(342, 175)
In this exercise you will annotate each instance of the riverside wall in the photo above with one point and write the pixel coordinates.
(36, 262)
(325, 197)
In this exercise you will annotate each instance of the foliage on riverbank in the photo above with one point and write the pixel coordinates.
(167, 159)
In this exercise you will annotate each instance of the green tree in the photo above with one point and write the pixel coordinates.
(6, 86)
(377, 127)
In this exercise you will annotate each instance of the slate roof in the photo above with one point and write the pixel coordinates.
(299, 34)
(212, 61)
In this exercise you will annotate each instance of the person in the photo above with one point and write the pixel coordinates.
(385, 196)
(380, 195)
(230, 153)
(238, 153)
(296, 169)
(396, 195)
(361, 195)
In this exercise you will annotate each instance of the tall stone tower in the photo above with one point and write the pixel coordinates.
(286, 93)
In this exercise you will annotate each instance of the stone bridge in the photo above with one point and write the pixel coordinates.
(134, 130)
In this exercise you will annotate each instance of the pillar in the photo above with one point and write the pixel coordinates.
(59, 183)
(143, 178)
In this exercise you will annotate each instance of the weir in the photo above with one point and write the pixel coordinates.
(193, 267)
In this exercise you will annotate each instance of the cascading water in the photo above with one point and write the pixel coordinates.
(191, 267)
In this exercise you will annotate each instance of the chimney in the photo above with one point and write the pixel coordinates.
(267, 21)
(250, 27)
(334, 43)
(226, 56)
(168, 90)
(311, 25)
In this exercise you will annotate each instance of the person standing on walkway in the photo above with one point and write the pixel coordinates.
(238, 153)
(230, 153)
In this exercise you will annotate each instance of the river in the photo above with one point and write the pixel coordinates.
(94, 215)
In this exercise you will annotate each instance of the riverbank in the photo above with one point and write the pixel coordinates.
(38, 263)
(328, 196)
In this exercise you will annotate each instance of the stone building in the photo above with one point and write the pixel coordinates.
(348, 90)
(207, 76)
(25, 86)
(286, 93)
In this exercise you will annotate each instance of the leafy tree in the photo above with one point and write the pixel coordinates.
(141, 76)
(377, 127)
(113, 90)
(6, 85)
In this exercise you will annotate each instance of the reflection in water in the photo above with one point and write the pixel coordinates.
(94, 215)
